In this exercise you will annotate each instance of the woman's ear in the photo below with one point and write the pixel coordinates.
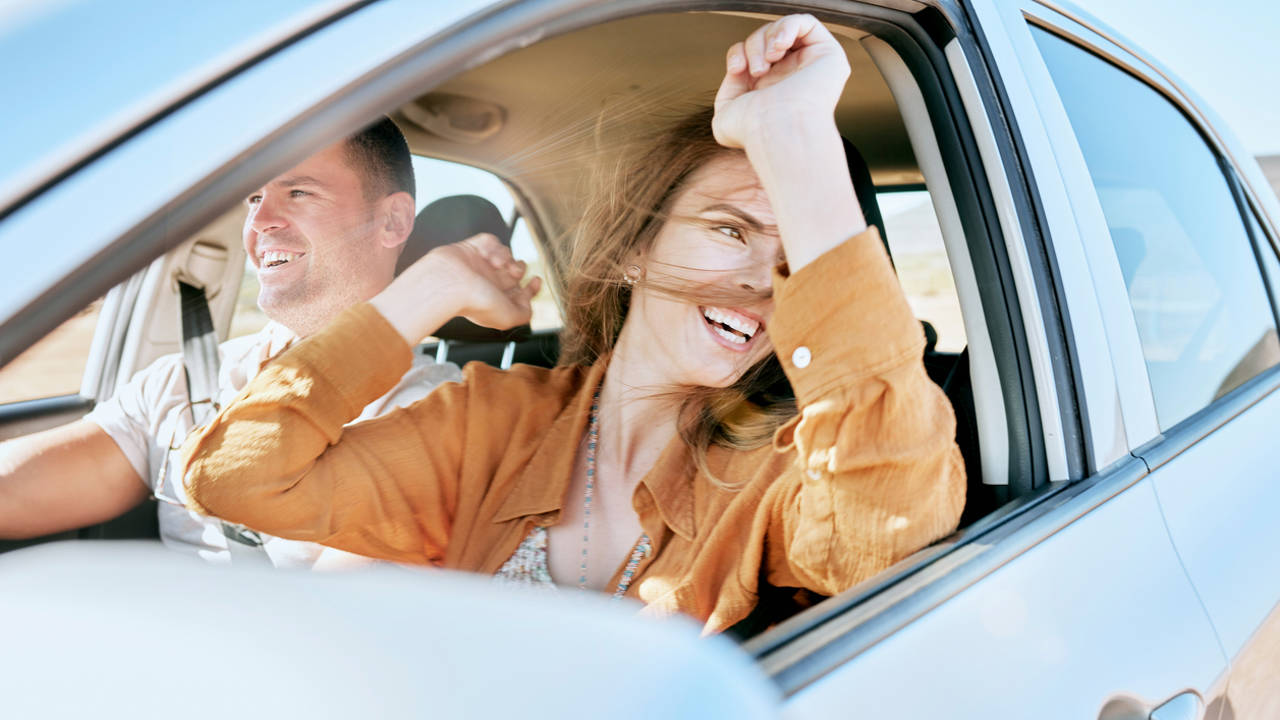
(397, 216)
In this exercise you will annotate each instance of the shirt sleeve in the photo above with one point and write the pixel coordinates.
(134, 415)
(272, 461)
(879, 474)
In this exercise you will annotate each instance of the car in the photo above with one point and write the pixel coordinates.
(1093, 253)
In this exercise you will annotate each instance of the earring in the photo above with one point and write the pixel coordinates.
(633, 274)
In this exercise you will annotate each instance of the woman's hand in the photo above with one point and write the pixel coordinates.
(477, 278)
(791, 69)
(777, 102)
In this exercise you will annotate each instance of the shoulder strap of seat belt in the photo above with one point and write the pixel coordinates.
(200, 359)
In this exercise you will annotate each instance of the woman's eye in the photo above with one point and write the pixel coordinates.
(729, 230)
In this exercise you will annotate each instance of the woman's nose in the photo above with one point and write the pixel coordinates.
(758, 277)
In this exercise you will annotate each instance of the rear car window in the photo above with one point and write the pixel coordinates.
(1204, 318)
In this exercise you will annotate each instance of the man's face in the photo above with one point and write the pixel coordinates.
(319, 246)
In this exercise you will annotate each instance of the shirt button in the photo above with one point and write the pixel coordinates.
(801, 357)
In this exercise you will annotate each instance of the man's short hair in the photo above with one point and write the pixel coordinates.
(380, 154)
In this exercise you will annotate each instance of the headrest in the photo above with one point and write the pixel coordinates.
(449, 220)
(865, 189)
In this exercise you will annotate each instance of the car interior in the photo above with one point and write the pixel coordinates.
(538, 118)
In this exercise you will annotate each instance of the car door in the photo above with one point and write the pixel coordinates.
(1072, 602)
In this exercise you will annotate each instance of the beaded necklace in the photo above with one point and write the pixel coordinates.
(641, 549)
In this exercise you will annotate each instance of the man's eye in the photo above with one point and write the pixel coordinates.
(298, 193)
(253, 200)
(729, 230)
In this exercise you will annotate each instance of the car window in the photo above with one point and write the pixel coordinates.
(434, 179)
(54, 366)
(915, 241)
(1204, 318)
(440, 178)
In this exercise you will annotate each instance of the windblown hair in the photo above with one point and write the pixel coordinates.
(627, 208)
(380, 154)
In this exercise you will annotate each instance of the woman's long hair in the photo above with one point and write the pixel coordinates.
(628, 204)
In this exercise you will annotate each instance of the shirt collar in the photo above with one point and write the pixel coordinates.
(542, 485)
(544, 481)
(276, 338)
(670, 483)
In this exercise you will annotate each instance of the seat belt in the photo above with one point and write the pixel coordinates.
(200, 361)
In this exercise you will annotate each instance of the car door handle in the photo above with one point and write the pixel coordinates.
(1184, 706)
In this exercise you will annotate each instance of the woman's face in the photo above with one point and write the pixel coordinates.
(720, 235)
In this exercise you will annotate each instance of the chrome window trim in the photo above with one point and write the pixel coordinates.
(1042, 367)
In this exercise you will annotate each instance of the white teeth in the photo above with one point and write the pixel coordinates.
(271, 258)
(744, 325)
(731, 337)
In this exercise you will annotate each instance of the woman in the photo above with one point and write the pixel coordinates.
(643, 467)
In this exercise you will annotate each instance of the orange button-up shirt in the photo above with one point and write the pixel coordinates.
(866, 474)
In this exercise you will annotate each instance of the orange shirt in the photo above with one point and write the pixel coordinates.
(866, 474)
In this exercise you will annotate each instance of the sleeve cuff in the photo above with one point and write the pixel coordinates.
(842, 317)
(359, 355)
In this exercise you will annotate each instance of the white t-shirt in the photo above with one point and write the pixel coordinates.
(148, 418)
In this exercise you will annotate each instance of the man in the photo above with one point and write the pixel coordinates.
(323, 236)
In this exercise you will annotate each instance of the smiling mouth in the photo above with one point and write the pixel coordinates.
(276, 258)
(733, 327)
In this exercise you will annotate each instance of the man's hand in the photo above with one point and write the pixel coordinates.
(477, 278)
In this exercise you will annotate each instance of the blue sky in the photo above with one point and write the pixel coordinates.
(1227, 53)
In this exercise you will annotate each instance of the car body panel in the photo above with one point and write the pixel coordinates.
(166, 635)
(1220, 498)
(1098, 609)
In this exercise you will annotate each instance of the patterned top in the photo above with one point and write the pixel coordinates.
(527, 566)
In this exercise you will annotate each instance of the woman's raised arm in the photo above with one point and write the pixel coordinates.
(877, 473)
(777, 102)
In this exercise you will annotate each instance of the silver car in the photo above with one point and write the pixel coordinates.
(1093, 253)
